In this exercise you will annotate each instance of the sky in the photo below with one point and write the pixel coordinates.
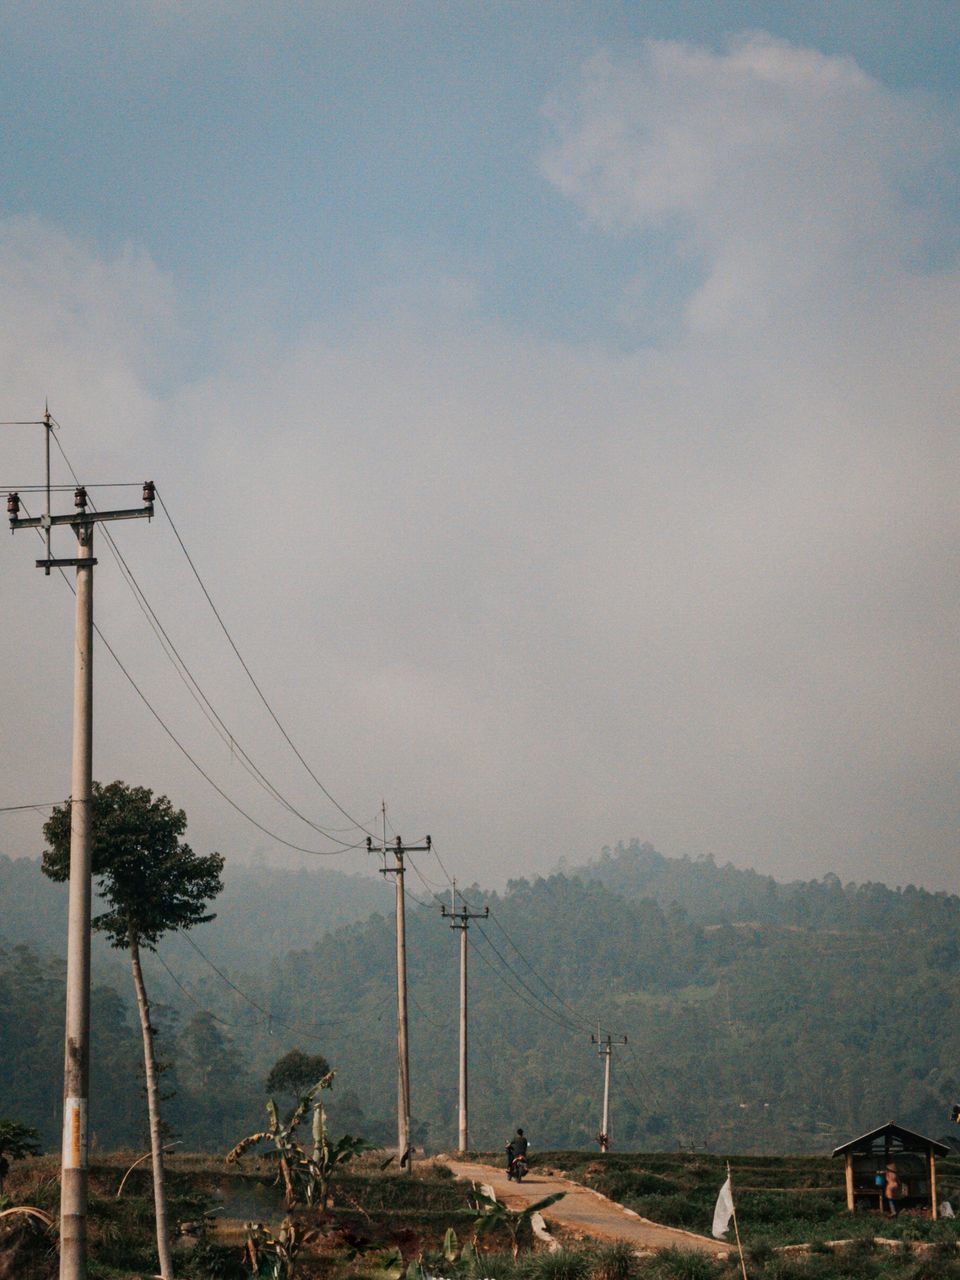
(558, 401)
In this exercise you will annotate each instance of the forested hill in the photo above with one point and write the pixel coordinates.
(741, 1037)
(718, 894)
(747, 1031)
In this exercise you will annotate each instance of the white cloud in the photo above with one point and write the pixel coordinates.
(783, 168)
(87, 331)
(542, 597)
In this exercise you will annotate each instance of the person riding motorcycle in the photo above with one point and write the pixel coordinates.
(517, 1156)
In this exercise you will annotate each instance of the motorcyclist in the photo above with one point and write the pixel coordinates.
(516, 1151)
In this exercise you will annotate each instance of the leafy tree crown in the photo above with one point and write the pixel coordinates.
(18, 1140)
(296, 1071)
(152, 881)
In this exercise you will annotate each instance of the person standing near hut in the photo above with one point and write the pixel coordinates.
(892, 1189)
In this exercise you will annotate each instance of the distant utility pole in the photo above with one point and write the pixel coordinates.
(461, 920)
(398, 849)
(76, 1069)
(605, 1050)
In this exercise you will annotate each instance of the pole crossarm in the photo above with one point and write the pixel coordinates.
(460, 919)
(81, 521)
(81, 518)
(398, 849)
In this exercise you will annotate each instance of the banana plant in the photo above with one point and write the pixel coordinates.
(296, 1170)
(451, 1247)
(466, 1261)
(493, 1214)
(273, 1257)
(327, 1156)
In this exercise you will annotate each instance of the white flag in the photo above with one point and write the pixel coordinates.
(724, 1210)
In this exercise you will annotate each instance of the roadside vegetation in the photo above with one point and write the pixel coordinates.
(781, 1200)
(231, 1223)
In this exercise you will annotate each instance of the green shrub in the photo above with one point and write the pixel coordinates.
(685, 1264)
(615, 1261)
(115, 1249)
(676, 1210)
(625, 1184)
(562, 1264)
(935, 1268)
(760, 1252)
(779, 1267)
(765, 1207)
(498, 1266)
(209, 1261)
(858, 1261)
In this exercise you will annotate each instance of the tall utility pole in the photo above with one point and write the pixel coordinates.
(398, 849)
(76, 1066)
(605, 1050)
(461, 920)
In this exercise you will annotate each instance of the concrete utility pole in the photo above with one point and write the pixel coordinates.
(398, 849)
(76, 1067)
(461, 920)
(605, 1050)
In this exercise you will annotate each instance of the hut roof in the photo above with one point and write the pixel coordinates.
(909, 1140)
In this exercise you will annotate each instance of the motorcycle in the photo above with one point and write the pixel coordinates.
(518, 1168)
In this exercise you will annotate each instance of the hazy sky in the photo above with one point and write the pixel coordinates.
(559, 401)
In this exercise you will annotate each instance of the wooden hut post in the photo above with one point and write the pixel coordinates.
(933, 1185)
(848, 1175)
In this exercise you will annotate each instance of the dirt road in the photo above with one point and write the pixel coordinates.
(584, 1210)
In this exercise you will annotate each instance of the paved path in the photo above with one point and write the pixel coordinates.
(584, 1210)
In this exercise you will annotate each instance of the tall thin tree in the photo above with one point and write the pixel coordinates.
(152, 883)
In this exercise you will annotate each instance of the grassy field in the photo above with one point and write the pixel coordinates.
(389, 1226)
(780, 1200)
(375, 1218)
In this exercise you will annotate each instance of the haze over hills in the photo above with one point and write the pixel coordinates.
(309, 902)
(760, 1016)
(723, 894)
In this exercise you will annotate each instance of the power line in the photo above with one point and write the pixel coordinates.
(65, 488)
(271, 1018)
(243, 995)
(203, 773)
(236, 1026)
(199, 768)
(571, 1026)
(582, 1018)
(192, 685)
(540, 1005)
(658, 1096)
(408, 893)
(209, 711)
(576, 1013)
(440, 863)
(540, 1008)
(273, 715)
(427, 884)
(441, 1026)
(579, 1016)
(16, 808)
